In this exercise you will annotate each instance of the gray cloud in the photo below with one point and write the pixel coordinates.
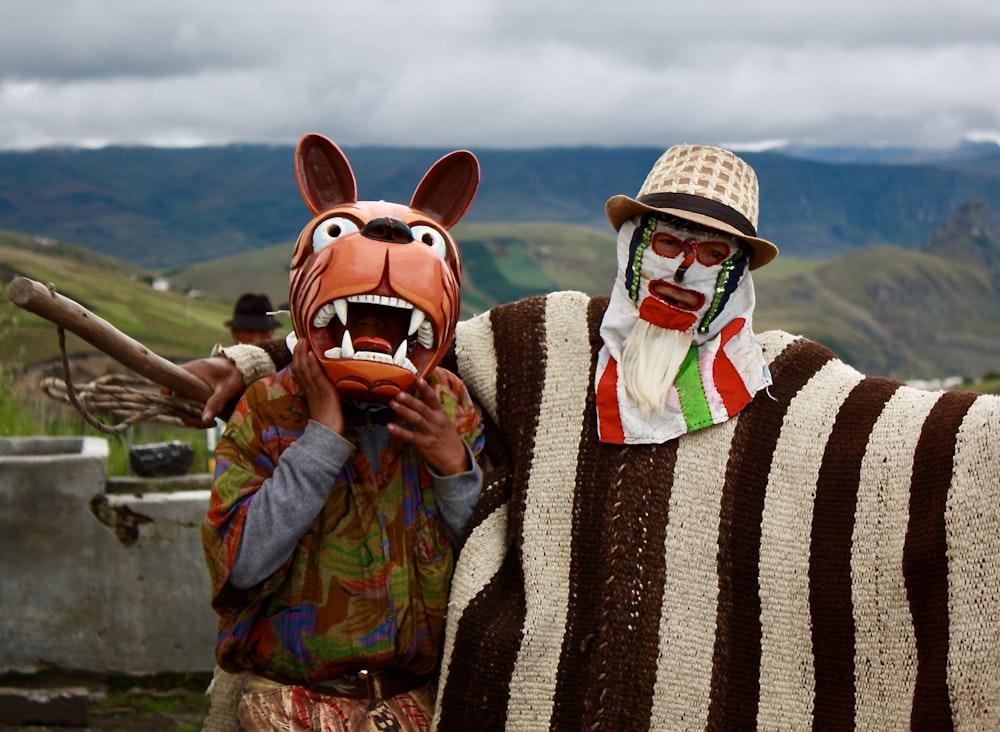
(509, 73)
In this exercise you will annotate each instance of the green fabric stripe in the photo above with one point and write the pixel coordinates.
(694, 404)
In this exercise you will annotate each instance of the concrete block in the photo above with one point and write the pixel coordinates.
(97, 582)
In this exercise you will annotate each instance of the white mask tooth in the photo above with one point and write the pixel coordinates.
(425, 336)
(323, 316)
(347, 346)
(416, 320)
(400, 354)
(332, 353)
(340, 305)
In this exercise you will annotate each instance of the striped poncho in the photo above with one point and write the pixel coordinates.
(828, 559)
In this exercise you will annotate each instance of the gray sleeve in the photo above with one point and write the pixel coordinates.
(457, 495)
(286, 504)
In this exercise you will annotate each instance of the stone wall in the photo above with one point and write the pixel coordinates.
(99, 576)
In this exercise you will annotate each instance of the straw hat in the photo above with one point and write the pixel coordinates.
(705, 185)
(251, 313)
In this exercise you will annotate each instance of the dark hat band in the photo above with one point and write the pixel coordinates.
(701, 205)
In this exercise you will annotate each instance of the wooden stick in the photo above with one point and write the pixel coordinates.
(38, 299)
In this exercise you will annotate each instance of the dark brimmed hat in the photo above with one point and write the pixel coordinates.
(251, 313)
(705, 185)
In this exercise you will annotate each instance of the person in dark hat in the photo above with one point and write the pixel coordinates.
(252, 321)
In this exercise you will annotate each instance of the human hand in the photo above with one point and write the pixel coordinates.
(317, 389)
(432, 433)
(222, 377)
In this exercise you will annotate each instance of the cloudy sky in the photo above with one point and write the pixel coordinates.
(499, 73)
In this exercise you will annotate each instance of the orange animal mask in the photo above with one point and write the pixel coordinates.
(375, 286)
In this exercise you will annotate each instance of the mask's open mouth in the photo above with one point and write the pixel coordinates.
(374, 328)
(675, 296)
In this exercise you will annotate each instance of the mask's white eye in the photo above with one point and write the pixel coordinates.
(330, 229)
(431, 237)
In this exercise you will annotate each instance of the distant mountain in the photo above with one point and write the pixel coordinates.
(892, 311)
(162, 208)
(890, 155)
(968, 235)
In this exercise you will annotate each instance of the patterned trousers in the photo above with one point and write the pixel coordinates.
(266, 706)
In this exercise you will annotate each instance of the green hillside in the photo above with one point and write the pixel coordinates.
(505, 262)
(884, 309)
(891, 311)
(226, 278)
(168, 323)
(501, 263)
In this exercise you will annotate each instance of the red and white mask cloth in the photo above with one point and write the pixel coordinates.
(712, 299)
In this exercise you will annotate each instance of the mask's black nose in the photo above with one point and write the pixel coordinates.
(388, 229)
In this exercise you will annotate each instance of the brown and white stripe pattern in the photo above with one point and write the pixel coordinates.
(828, 559)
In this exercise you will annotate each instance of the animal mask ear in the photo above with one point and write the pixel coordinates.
(447, 189)
(325, 177)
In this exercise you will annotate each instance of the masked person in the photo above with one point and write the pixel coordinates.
(343, 482)
(679, 351)
(693, 525)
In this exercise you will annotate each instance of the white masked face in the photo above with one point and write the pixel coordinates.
(682, 303)
(686, 273)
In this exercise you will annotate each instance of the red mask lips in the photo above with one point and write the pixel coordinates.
(375, 345)
(670, 307)
(675, 296)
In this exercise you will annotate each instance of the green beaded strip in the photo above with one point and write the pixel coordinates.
(635, 266)
(720, 289)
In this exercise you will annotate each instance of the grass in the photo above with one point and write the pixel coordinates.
(25, 413)
(142, 709)
(168, 324)
(989, 384)
(167, 702)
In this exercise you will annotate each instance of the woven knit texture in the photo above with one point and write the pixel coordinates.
(828, 559)
(225, 691)
(709, 172)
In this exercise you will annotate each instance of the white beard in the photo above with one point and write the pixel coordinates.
(650, 359)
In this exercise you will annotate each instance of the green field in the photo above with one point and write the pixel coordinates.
(886, 310)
